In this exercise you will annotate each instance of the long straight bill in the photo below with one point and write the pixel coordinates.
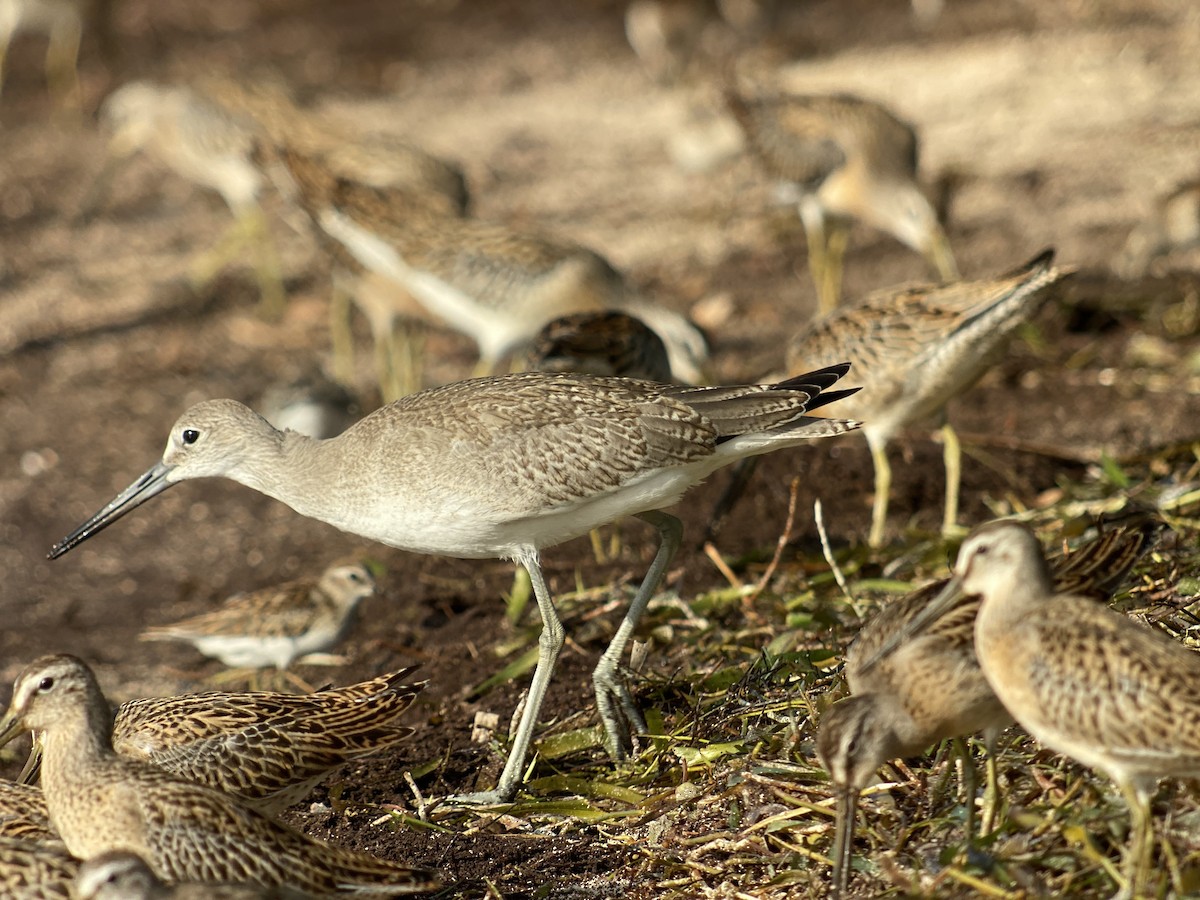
(843, 841)
(152, 483)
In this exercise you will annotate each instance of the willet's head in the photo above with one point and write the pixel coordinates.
(899, 207)
(213, 438)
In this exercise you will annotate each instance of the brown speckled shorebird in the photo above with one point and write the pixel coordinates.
(1174, 224)
(1082, 679)
(504, 467)
(30, 870)
(100, 801)
(914, 350)
(268, 750)
(121, 875)
(276, 626)
(930, 687)
(208, 145)
(603, 343)
(847, 158)
(493, 284)
(23, 813)
(62, 22)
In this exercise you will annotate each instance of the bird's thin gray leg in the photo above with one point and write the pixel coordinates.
(614, 703)
(549, 644)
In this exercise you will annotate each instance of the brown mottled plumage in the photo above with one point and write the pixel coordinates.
(906, 696)
(848, 158)
(100, 801)
(605, 343)
(268, 750)
(503, 467)
(23, 813)
(277, 625)
(31, 870)
(914, 349)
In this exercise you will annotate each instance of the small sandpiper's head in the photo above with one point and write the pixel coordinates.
(996, 552)
(212, 438)
(116, 875)
(46, 692)
(348, 585)
(854, 741)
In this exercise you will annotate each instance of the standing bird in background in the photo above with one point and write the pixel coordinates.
(843, 159)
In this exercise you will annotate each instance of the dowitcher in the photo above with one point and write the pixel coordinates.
(100, 801)
(268, 750)
(495, 285)
(23, 813)
(121, 875)
(914, 350)
(62, 22)
(844, 158)
(278, 625)
(34, 871)
(1174, 224)
(603, 343)
(907, 697)
(1082, 679)
(503, 467)
(208, 145)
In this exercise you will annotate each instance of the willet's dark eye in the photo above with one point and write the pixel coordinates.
(190, 436)
(46, 683)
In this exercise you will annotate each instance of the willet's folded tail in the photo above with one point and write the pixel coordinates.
(99, 801)
(845, 158)
(503, 467)
(1082, 679)
(268, 750)
(907, 696)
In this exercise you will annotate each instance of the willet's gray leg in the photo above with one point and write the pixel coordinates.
(549, 644)
(611, 691)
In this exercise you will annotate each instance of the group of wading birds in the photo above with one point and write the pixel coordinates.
(183, 790)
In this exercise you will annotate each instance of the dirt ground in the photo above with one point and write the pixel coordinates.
(1050, 126)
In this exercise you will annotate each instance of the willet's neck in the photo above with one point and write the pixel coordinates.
(281, 465)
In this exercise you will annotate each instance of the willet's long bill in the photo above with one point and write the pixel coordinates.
(503, 467)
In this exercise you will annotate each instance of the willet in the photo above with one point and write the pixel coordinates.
(279, 625)
(267, 750)
(121, 875)
(1082, 679)
(914, 350)
(503, 467)
(843, 158)
(495, 285)
(99, 801)
(907, 696)
(603, 343)
(34, 871)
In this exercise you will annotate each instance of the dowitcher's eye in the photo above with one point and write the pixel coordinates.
(190, 436)
(46, 683)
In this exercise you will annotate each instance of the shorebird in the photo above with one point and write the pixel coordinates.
(503, 467)
(23, 814)
(34, 871)
(603, 343)
(276, 626)
(121, 875)
(1174, 224)
(842, 158)
(1082, 679)
(914, 350)
(100, 801)
(495, 285)
(267, 750)
(907, 697)
(62, 22)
